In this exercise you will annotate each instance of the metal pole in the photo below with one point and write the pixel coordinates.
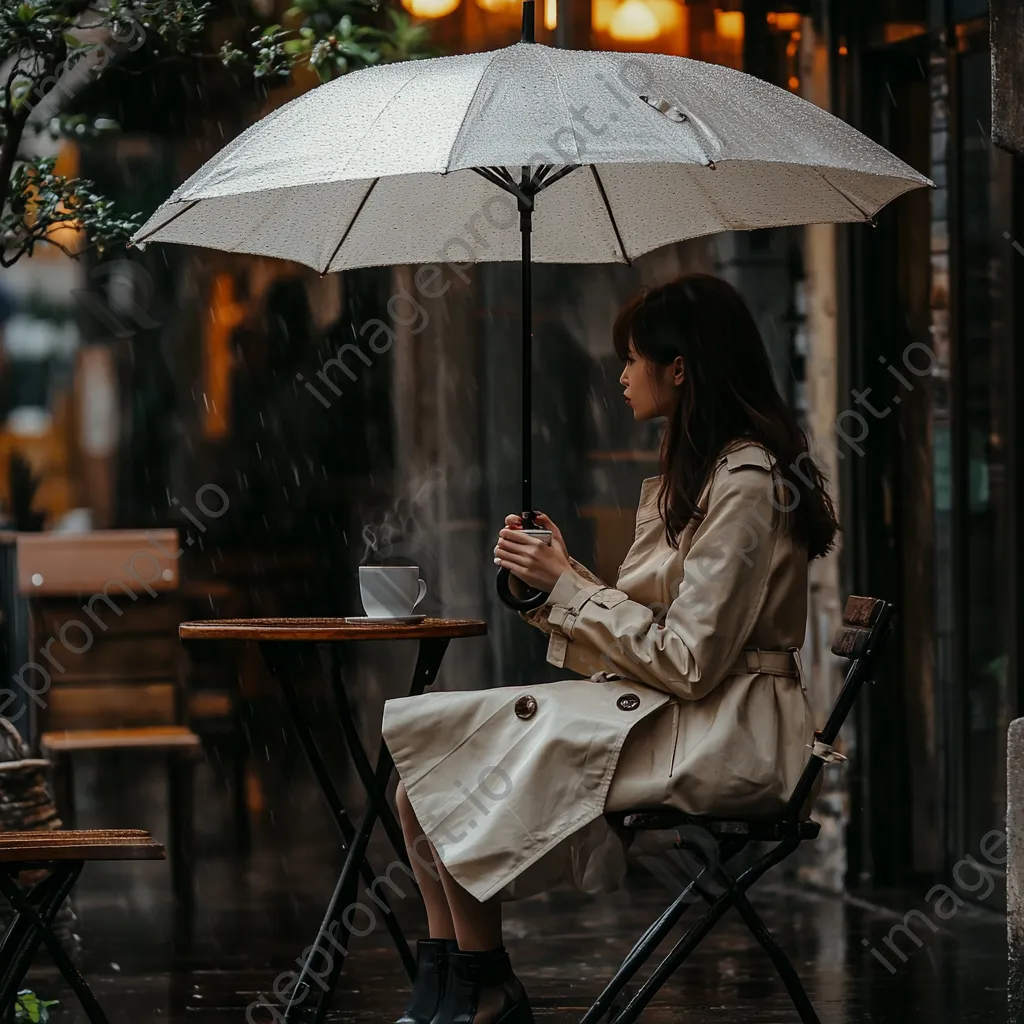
(526, 227)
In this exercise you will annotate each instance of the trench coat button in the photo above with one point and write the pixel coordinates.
(628, 702)
(526, 706)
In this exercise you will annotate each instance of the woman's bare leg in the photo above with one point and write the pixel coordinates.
(477, 925)
(426, 866)
(452, 913)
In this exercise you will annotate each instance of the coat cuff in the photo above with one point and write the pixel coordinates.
(568, 596)
(563, 653)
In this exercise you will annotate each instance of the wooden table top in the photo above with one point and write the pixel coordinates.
(324, 630)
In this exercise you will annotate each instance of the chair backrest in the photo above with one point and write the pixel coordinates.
(867, 623)
(103, 610)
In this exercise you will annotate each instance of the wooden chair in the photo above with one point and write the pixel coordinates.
(64, 854)
(103, 615)
(715, 841)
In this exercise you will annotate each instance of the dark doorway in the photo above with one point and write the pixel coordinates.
(888, 482)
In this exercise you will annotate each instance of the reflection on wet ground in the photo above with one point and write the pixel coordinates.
(256, 913)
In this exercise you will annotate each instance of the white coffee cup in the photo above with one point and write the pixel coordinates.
(390, 591)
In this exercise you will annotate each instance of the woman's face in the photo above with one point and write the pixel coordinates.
(651, 390)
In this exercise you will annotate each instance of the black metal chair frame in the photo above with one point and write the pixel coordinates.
(35, 910)
(867, 625)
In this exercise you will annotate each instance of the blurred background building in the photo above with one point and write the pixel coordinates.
(129, 385)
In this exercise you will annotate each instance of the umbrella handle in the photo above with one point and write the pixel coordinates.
(532, 598)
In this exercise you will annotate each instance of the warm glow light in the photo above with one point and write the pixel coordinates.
(430, 8)
(70, 233)
(729, 25)
(784, 21)
(669, 14)
(794, 82)
(550, 14)
(601, 12)
(225, 315)
(896, 32)
(634, 22)
(843, 51)
(499, 6)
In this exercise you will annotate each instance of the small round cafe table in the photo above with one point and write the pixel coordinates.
(284, 644)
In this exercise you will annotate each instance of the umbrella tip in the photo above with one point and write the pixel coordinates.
(529, 22)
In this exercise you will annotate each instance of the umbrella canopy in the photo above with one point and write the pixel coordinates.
(615, 153)
(377, 167)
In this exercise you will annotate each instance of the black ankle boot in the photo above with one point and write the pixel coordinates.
(482, 988)
(427, 989)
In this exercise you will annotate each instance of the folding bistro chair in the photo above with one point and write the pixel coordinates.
(63, 853)
(867, 622)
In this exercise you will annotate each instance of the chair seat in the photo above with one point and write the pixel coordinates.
(155, 737)
(755, 829)
(77, 844)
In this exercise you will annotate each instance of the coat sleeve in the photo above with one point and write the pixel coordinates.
(687, 648)
(538, 616)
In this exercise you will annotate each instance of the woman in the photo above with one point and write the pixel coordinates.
(694, 696)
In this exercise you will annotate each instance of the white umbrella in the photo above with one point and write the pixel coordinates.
(615, 153)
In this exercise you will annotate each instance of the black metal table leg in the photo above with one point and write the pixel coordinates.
(20, 941)
(428, 661)
(333, 928)
(332, 669)
(279, 659)
(38, 922)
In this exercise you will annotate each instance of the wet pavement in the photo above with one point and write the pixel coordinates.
(255, 914)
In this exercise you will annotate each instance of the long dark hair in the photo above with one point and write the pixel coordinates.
(728, 394)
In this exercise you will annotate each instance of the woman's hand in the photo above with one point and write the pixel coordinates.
(544, 523)
(537, 564)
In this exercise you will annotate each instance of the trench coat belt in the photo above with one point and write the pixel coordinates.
(773, 663)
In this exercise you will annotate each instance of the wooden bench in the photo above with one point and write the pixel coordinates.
(64, 853)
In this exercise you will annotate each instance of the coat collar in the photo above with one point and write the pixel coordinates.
(739, 453)
(746, 453)
(649, 490)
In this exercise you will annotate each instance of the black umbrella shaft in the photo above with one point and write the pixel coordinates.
(526, 225)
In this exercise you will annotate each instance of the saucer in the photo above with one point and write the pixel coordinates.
(403, 619)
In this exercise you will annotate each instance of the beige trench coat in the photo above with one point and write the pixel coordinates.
(684, 703)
